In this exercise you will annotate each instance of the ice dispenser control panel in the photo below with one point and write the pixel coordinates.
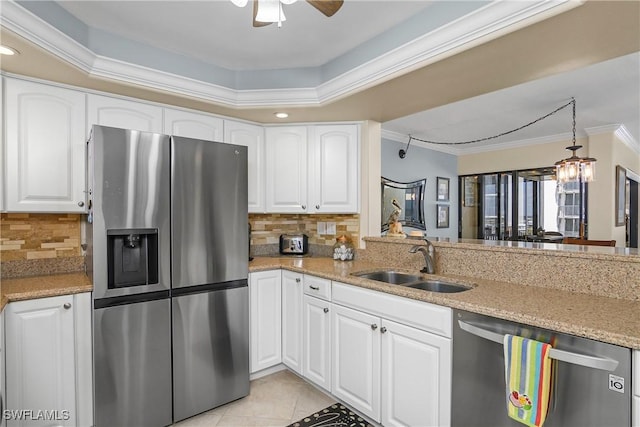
(132, 257)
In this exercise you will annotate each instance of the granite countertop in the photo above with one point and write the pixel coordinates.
(32, 287)
(611, 320)
(615, 321)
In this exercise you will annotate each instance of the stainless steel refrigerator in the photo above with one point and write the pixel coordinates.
(167, 254)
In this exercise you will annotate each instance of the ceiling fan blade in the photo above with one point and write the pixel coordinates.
(327, 7)
(255, 13)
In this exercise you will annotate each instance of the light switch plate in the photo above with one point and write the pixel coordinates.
(322, 228)
(331, 228)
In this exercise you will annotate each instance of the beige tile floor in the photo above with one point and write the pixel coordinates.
(275, 400)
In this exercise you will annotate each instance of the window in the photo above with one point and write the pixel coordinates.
(490, 205)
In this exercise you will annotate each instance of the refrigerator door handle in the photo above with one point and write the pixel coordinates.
(588, 361)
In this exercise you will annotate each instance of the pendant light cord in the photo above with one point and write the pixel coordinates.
(572, 102)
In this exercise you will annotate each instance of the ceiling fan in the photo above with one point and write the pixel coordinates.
(266, 12)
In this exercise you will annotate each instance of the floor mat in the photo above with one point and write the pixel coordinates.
(336, 415)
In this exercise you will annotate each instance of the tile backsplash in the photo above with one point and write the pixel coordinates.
(267, 228)
(28, 236)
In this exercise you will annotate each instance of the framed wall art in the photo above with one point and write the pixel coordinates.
(442, 184)
(442, 216)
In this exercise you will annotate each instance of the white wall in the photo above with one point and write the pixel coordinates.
(422, 163)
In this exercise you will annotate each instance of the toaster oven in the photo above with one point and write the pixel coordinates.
(294, 244)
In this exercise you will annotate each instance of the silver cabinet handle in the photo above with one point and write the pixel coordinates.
(81, 204)
(317, 206)
(383, 330)
(304, 206)
(374, 327)
(67, 305)
(297, 280)
(315, 288)
(602, 363)
(326, 310)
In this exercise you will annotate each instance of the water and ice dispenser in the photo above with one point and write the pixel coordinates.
(132, 257)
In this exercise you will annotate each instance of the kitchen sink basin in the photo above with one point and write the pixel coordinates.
(393, 277)
(414, 281)
(438, 286)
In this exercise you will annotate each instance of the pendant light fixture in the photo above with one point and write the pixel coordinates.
(574, 168)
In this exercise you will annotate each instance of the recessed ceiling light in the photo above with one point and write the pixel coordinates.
(282, 115)
(6, 50)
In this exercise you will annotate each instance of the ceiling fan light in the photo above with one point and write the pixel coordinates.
(270, 11)
(240, 3)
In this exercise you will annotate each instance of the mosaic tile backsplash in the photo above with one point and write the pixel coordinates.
(25, 236)
(267, 228)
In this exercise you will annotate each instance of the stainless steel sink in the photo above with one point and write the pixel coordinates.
(393, 277)
(438, 286)
(414, 281)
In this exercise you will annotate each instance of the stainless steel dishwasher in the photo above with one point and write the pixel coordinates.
(592, 387)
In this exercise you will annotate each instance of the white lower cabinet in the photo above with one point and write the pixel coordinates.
(48, 360)
(316, 366)
(265, 299)
(416, 368)
(356, 360)
(292, 320)
(396, 374)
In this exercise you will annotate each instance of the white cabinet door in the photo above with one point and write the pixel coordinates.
(334, 168)
(316, 366)
(265, 299)
(416, 377)
(45, 148)
(286, 169)
(40, 358)
(122, 113)
(252, 137)
(192, 125)
(292, 320)
(356, 360)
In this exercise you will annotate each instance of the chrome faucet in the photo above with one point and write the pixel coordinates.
(429, 253)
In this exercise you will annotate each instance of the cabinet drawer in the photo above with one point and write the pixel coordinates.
(422, 315)
(320, 288)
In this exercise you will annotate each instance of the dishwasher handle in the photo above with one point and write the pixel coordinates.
(586, 360)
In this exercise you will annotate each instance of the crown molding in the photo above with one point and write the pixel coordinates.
(620, 131)
(487, 23)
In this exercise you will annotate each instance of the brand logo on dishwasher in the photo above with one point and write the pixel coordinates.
(616, 383)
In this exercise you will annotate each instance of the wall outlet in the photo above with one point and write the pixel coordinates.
(331, 228)
(322, 228)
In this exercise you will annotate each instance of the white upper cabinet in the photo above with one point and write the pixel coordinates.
(193, 125)
(122, 113)
(286, 169)
(252, 137)
(45, 148)
(333, 166)
(312, 169)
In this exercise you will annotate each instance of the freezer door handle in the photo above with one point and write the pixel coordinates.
(586, 360)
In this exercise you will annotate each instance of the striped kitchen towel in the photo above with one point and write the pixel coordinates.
(529, 377)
